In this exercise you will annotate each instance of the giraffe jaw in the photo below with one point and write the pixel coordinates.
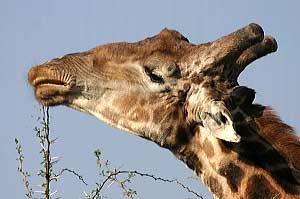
(93, 107)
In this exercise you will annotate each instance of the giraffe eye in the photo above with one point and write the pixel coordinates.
(154, 77)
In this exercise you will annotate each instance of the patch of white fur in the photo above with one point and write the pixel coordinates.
(95, 108)
(92, 107)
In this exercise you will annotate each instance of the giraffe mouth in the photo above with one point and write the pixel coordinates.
(51, 92)
(51, 85)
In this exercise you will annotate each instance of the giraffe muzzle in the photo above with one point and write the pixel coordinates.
(51, 86)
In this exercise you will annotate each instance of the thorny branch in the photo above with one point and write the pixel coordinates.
(47, 155)
(149, 176)
(108, 174)
(43, 133)
(80, 177)
(48, 161)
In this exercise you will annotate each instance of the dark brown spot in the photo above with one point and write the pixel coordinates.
(285, 174)
(208, 148)
(186, 86)
(243, 96)
(238, 117)
(233, 174)
(259, 188)
(212, 84)
(214, 186)
(211, 72)
(193, 162)
(223, 147)
(254, 146)
(183, 135)
(243, 130)
(287, 180)
(271, 158)
(256, 153)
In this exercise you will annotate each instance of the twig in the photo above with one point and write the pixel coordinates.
(168, 180)
(29, 192)
(153, 177)
(47, 154)
(73, 172)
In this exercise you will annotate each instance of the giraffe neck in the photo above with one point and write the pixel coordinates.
(257, 167)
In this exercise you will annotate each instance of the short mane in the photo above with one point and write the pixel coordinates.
(281, 135)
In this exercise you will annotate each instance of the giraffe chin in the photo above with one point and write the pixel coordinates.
(52, 94)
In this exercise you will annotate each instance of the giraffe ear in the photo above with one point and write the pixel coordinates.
(218, 121)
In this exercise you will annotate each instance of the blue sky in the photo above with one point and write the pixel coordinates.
(34, 31)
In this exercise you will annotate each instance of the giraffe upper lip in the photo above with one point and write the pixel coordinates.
(44, 80)
(42, 74)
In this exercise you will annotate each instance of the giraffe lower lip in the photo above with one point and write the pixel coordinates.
(52, 94)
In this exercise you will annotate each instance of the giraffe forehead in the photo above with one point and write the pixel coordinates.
(168, 45)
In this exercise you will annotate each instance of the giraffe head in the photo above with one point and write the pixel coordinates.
(158, 88)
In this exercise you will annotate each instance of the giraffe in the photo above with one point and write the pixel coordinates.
(185, 98)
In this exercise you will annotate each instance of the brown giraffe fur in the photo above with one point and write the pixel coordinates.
(185, 98)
